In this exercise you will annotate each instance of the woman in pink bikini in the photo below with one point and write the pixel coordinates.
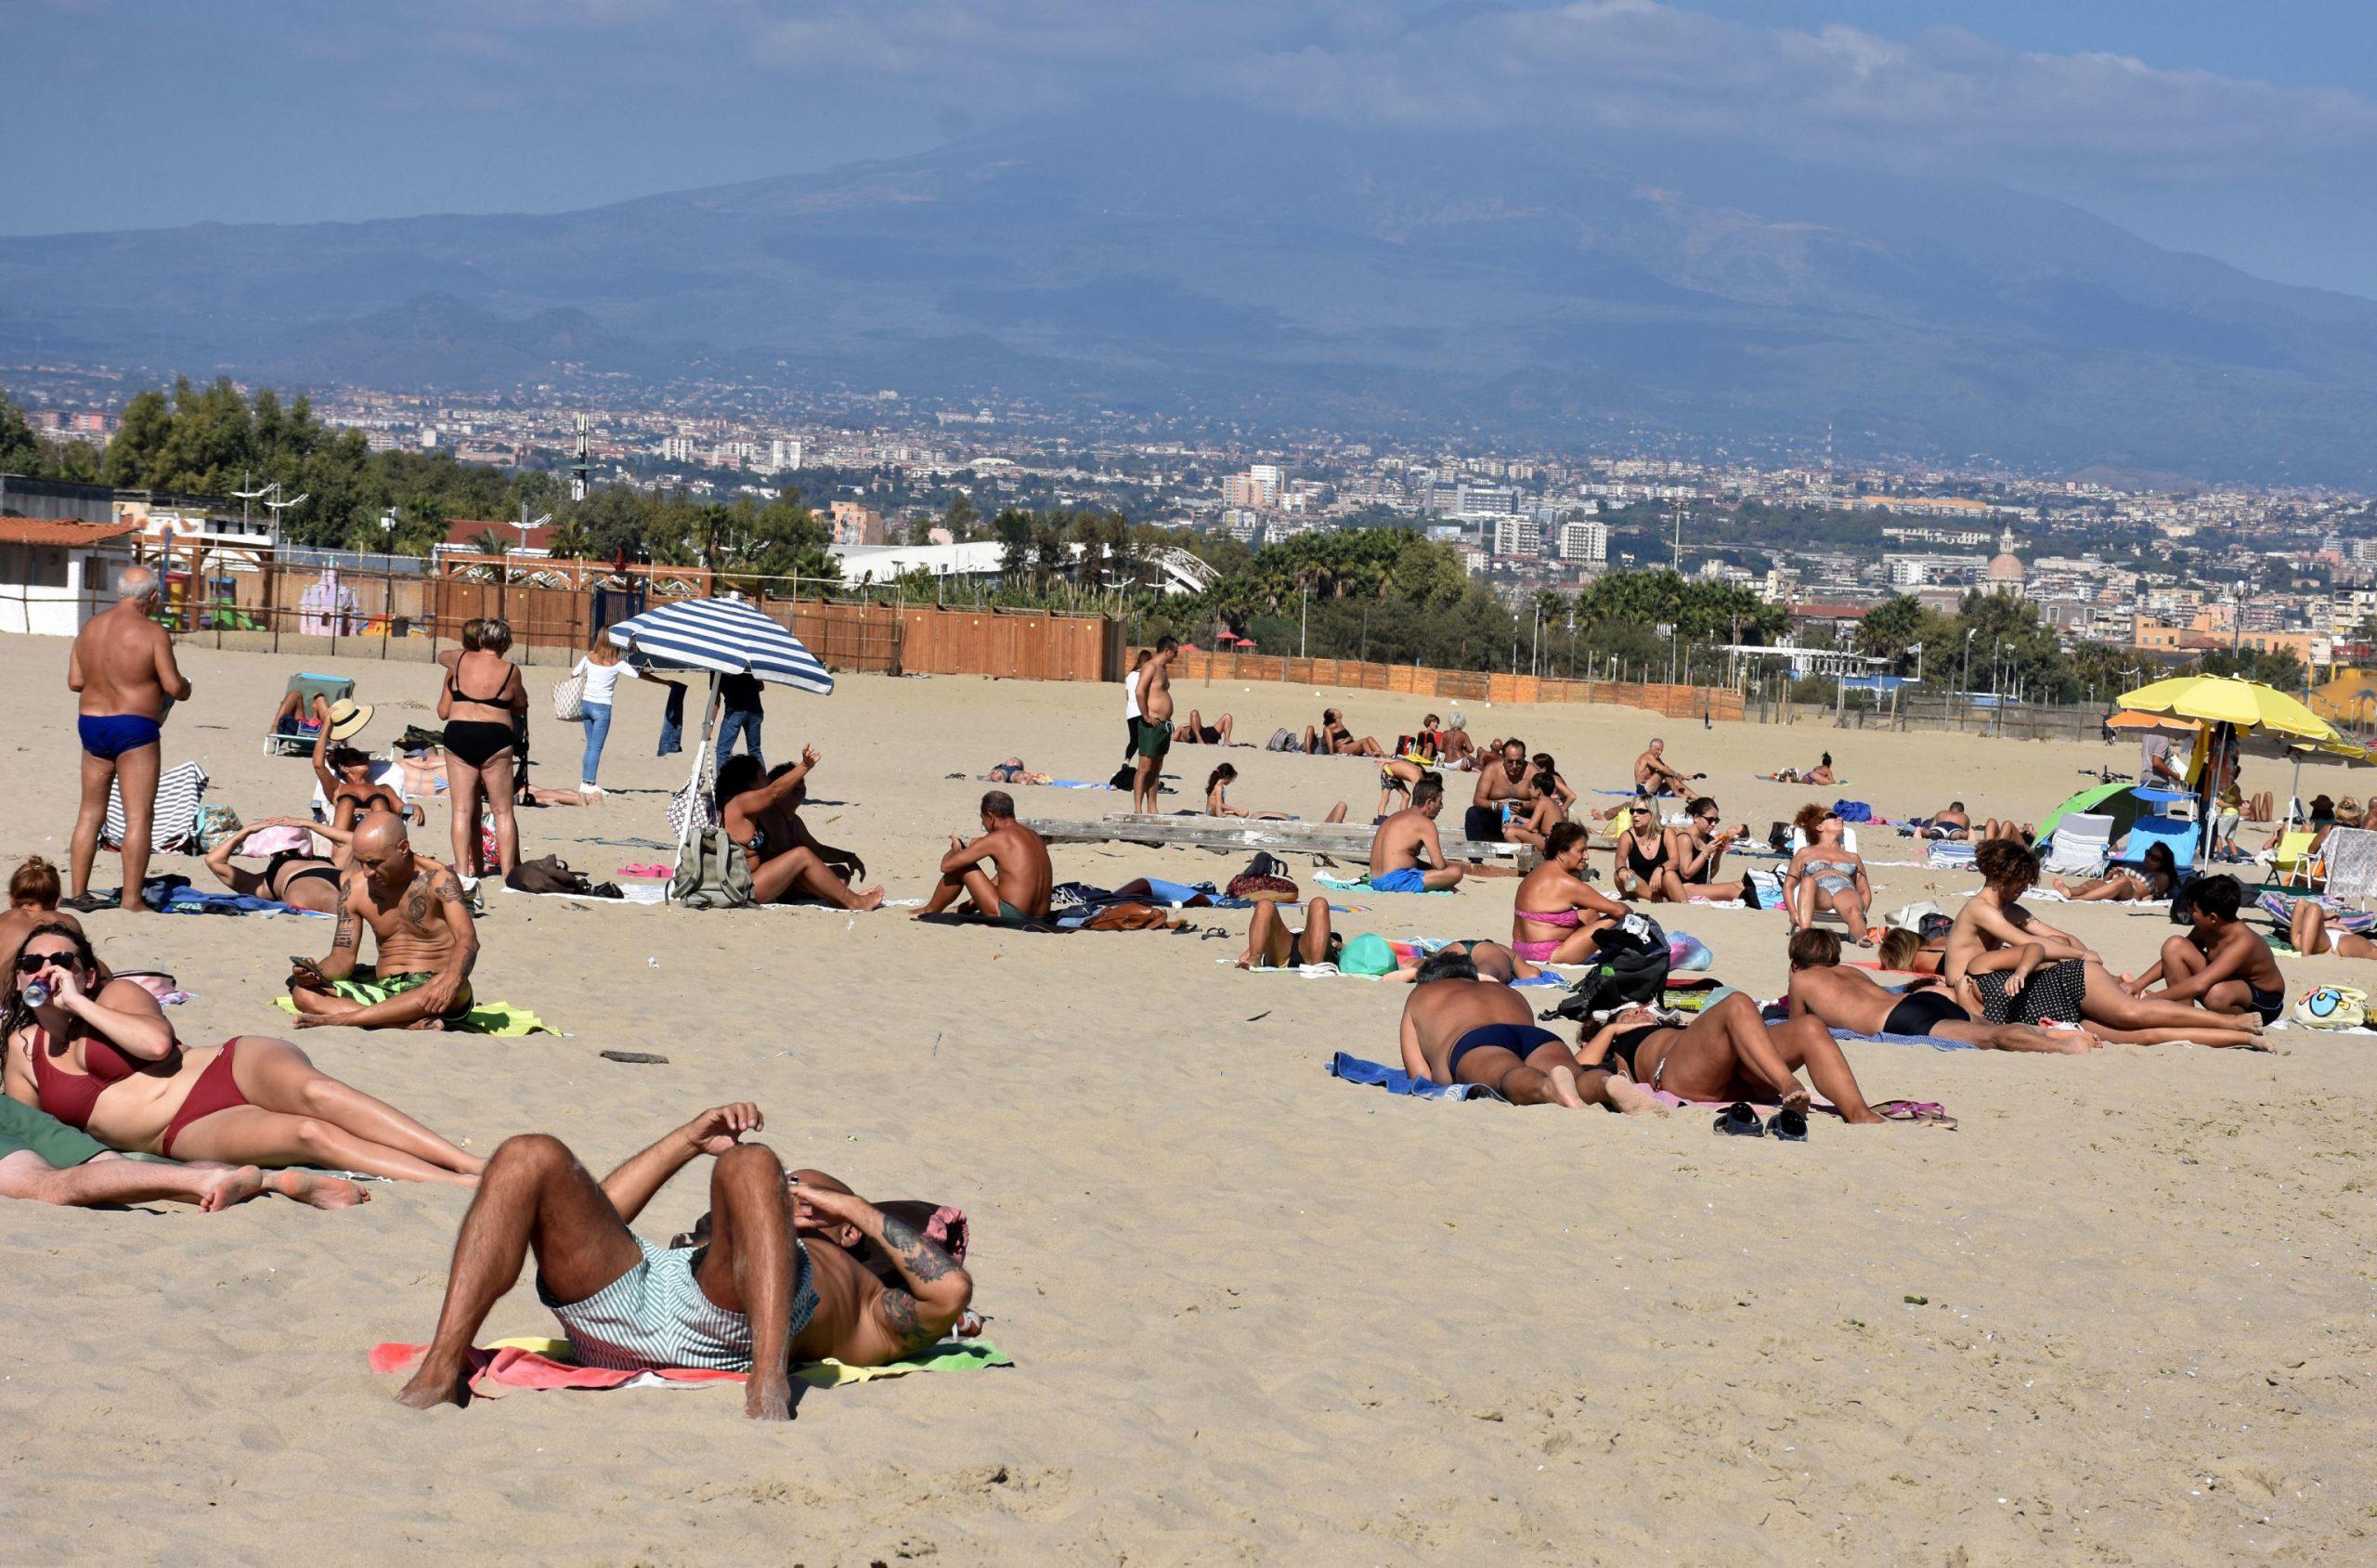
(101, 1056)
(1556, 912)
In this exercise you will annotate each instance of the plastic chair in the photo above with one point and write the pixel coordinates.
(2292, 865)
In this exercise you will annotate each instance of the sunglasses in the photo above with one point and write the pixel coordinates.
(34, 963)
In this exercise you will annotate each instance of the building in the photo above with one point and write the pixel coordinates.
(676, 449)
(2006, 573)
(1584, 541)
(854, 524)
(1485, 501)
(55, 573)
(1517, 536)
(784, 455)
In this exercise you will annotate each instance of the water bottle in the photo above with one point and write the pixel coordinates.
(36, 995)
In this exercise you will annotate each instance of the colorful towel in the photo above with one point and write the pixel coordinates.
(1395, 1081)
(172, 894)
(1364, 885)
(180, 791)
(484, 1018)
(509, 1366)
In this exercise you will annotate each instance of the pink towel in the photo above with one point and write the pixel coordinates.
(643, 871)
(495, 1373)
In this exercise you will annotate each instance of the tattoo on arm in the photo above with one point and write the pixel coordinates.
(448, 886)
(348, 932)
(897, 1309)
(918, 1256)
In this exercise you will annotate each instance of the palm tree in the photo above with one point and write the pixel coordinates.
(488, 542)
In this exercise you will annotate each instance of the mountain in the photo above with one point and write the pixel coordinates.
(1294, 273)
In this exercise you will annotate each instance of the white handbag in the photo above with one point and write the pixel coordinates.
(569, 697)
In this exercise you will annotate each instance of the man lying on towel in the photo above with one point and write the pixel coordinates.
(1405, 854)
(1014, 892)
(1851, 999)
(774, 1284)
(1459, 1027)
(421, 925)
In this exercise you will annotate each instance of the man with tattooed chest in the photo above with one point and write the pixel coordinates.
(421, 926)
(772, 1280)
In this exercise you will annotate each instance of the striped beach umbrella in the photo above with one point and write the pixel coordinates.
(723, 636)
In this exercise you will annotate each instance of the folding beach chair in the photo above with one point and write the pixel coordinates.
(2147, 832)
(2351, 854)
(330, 688)
(2292, 863)
(2082, 842)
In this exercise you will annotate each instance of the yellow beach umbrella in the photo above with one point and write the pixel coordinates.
(2220, 699)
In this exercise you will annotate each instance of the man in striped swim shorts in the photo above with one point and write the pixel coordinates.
(773, 1284)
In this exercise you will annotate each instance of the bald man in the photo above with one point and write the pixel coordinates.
(425, 940)
(122, 667)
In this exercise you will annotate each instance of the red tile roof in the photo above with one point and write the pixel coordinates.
(52, 530)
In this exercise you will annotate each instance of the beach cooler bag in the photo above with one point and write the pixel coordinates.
(715, 874)
(2333, 1007)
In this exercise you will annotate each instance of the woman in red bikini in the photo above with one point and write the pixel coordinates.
(1556, 912)
(102, 1057)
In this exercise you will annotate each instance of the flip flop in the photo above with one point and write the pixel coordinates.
(1927, 1113)
(1737, 1121)
(88, 903)
(1790, 1126)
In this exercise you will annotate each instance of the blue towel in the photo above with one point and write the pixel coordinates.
(1931, 1040)
(185, 900)
(1613, 792)
(1364, 885)
(1395, 1081)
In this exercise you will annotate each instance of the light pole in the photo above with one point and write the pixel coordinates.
(1970, 632)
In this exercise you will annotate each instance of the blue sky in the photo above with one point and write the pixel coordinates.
(2245, 131)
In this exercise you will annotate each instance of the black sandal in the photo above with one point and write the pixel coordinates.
(1737, 1121)
(1789, 1125)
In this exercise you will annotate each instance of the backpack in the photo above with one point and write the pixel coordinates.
(2333, 1007)
(1281, 740)
(714, 874)
(1631, 966)
(1264, 880)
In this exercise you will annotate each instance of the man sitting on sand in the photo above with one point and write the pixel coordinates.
(775, 1285)
(1851, 999)
(421, 924)
(1015, 889)
(44, 1159)
(1652, 775)
(1499, 780)
(1459, 1029)
(122, 666)
(1405, 854)
(2220, 961)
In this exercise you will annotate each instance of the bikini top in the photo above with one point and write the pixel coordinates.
(70, 1096)
(1567, 919)
(1840, 868)
(454, 684)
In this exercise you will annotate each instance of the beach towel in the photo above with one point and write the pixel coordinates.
(484, 1018)
(1395, 1081)
(174, 896)
(1364, 885)
(509, 1366)
(180, 791)
(1933, 1040)
(642, 893)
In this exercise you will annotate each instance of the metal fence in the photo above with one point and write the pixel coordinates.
(1949, 712)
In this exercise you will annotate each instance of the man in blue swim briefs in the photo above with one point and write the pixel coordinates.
(1405, 854)
(122, 666)
(1459, 1029)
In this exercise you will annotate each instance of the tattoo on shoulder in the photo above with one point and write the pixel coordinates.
(924, 1260)
(448, 886)
(898, 1311)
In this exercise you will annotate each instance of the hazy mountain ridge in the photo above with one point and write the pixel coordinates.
(1522, 287)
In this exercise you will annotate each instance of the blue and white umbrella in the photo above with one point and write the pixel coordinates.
(725, 636)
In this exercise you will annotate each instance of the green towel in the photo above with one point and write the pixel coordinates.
(484, 1018)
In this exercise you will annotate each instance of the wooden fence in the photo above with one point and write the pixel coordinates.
(1449, 685)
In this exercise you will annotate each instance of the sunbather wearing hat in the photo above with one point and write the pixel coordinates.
(345, 772)
(297, 878)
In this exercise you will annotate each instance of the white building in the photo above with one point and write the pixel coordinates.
(1584, 541)
(55, 573)
(784, 455)
(1517, 536)
(676, 449)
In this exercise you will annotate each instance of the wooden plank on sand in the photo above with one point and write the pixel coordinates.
(1349, 841)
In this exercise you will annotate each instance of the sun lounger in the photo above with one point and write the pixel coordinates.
(2083, 840)
(330, 688)
(2292, 865)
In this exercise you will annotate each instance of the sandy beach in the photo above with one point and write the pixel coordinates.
(2122, 1315)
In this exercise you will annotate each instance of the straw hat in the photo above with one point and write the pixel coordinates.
(347, 719)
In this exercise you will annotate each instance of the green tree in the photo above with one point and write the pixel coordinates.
(21, 451)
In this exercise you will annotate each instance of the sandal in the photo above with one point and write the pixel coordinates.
(1928, 1114)
(1790, 1126)
(1737, 1121)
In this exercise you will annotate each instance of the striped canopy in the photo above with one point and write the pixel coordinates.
(725, 635)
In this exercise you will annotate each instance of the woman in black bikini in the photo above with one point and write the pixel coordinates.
(485, 704)
(296, 877)
(1726, 1052)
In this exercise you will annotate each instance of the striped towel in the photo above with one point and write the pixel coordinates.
(180, 791)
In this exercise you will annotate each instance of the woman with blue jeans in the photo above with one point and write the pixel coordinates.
(601, 668)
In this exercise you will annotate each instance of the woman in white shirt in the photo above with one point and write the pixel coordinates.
(601, 668)
(1131, 704)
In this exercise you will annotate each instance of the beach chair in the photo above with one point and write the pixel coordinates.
(2292, 863)
(330, 688)
(2082, 841)
(386, 770)
(2351, 854)
(2177, 836)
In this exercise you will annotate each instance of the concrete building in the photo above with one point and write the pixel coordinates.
(1584, 543)
(55, 573)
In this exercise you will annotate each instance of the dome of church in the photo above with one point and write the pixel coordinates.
(2006, 568)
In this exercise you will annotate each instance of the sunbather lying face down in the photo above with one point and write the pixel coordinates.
(772, 1286)
(1851, 999)
(1460, 1029)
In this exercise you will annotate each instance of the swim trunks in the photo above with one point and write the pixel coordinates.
(1914, 1012)
(1406, 879)
(1010, 915)
(2270, 1004)
(24, 1130)
(655, 1315)
(379, 987)
(108, 736)
(1155, 737)
(1517, 1039)
(2053, 995)
(1482, 824)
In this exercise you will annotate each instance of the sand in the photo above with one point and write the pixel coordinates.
(2123, 1315)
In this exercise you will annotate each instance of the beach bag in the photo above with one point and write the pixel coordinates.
(569, 696)
(691, 811)
(1264, 880)
(715, 874)
(1368, 954)
(550, 873)
(1281, 740)
(215, 824)
(1852, 810)
(2333, 1007)
(1630, 967)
